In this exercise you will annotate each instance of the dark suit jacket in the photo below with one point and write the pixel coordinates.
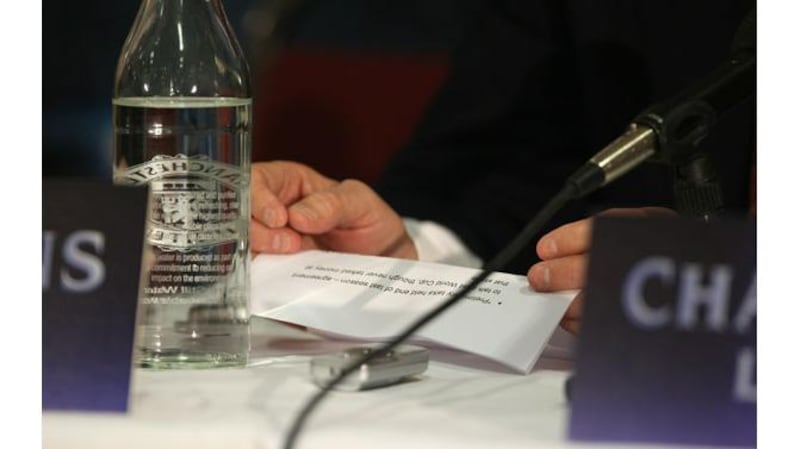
(537, 88)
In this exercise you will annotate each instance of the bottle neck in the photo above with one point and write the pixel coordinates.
(180, 4)
(180, 11)
(188, 17)
(182, 48)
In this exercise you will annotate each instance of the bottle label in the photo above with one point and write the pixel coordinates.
(195, 201)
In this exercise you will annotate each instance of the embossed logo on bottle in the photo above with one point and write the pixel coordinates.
(194, 201)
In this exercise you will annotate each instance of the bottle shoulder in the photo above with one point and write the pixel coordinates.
(158, 102)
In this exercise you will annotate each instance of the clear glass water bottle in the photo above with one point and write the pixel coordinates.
(182, 118)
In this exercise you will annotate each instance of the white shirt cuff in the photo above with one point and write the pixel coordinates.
(436, 243)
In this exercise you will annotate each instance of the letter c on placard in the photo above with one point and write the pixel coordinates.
(633, 300)
(76, 258)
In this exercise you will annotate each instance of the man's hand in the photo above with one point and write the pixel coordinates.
(295, 208)
(563, 253)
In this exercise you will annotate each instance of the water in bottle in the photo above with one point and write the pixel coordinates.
(181, 117)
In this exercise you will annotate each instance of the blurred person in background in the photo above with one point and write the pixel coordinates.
(535, 89)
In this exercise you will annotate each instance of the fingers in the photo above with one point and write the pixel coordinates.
(295, 208)
(563, 253)
(287, 193)
(571, 326)
(351, 217)
(564, 273)
(571, 238)
(574, 238)
(349, 204)
(640, 212)
(572, 318)
(264, 239)
(266, 208)
(277, 184)
(265, 183)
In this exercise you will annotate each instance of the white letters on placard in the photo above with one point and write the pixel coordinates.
(744, 381)
(693, 295)
(633, 301)
(747, 311)
(83, 269)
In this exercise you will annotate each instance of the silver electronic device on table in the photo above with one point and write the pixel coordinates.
(397, 365)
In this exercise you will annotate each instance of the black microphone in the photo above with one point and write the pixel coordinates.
(670, 131)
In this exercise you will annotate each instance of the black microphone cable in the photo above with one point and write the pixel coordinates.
(567, 193)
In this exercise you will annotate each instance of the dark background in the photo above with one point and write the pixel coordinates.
(337, 84)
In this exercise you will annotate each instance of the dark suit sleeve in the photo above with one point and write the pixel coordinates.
(496, 142)
(538, 87)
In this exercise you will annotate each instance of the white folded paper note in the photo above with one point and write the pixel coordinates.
(374, 298)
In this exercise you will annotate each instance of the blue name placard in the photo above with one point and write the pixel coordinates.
(667, 349)
(92, 235)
